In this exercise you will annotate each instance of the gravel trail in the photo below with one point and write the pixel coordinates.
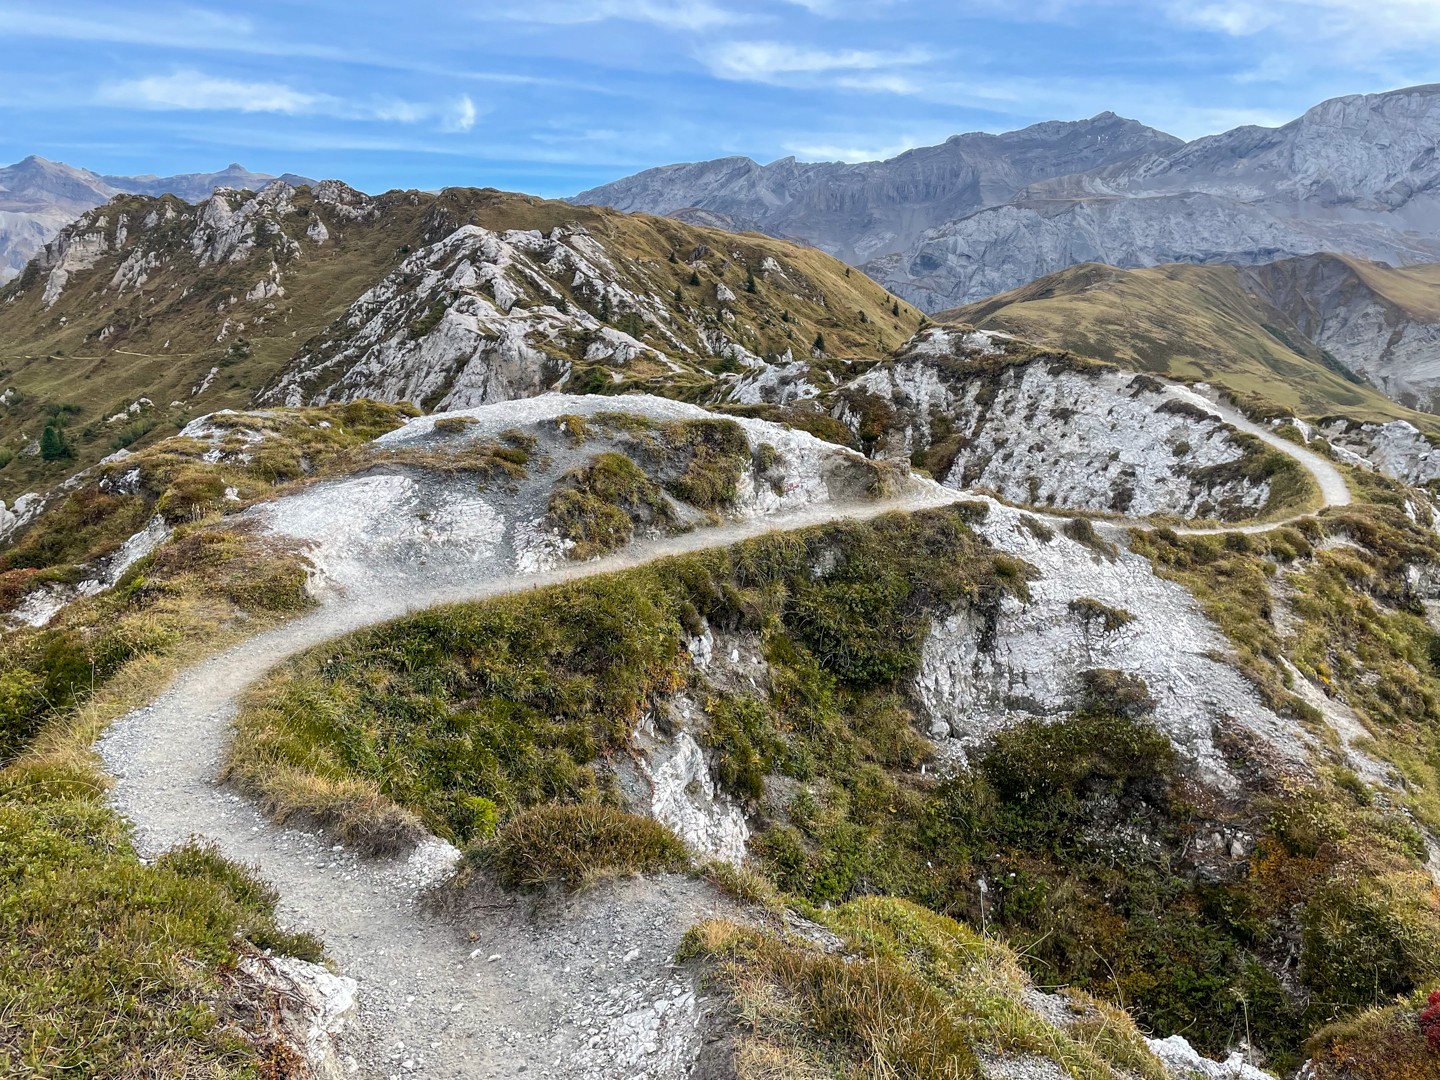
(432, 1004)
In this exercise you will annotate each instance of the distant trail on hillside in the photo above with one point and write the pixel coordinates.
(1333, 489)
(427, 997)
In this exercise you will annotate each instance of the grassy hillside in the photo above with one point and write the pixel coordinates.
(153, 318)
(1195, 323)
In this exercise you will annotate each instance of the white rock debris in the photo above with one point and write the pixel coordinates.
(1040, 434)
(684, 796)
(975, 678)
(311, 1007)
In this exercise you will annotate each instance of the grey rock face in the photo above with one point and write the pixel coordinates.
(38, 198)
(857, 212)
(948, 225)
(1395, 348)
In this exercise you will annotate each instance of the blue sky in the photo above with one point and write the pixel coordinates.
(553, 96)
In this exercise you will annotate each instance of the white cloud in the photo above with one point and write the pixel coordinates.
(192, 90)
(779, 63)
(1375, 27)
(463, 116)
(669, 14)
(808, 151)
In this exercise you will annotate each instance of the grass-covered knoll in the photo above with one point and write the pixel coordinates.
(1190, 322)
(913, 995)
(247, 456)
(193, 339)
(598, 506)
(1397, 1042)
(110, 967)
(468, 715)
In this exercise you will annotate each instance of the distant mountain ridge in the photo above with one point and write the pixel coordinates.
(38, 198)
(1357, 176)
(856, 212)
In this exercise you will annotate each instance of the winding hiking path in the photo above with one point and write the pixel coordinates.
(425, 999)
(580, 1001)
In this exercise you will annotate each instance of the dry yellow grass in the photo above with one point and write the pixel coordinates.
(1194, 323)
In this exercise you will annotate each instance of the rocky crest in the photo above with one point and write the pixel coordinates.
(38, 198)
(857, 212)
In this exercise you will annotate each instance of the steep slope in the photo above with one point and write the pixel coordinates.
(1357, 175)
(1213, 323)
(38, 198)
(1378, 321)
(148, 312)
(857, 212)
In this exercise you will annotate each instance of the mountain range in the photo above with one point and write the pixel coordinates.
(980, 214)
(38, 198)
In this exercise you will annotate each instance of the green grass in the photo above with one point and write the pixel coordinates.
(472, 717)
(912, 995)
(110, 966)
(598, 506)
(576, 844)
(519, 701)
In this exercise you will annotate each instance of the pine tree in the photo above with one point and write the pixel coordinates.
(819, 345)
(53, 446)
(679, 296)
(673, 259)
(895, 309)
(604, 308)
(694, 279)
(750, 285)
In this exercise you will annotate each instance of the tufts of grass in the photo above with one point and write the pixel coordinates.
(599, 505)
(1093, 613)
(1380, 1043)
(108, 966)
(578, 844)
(913, 994)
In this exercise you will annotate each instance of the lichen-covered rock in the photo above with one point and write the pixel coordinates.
(306, 1007)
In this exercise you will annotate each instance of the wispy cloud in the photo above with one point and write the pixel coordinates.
(463, 116)
(780, 63)
(822, 151)
(1383, 24)
(160, 27)
(194, 91)
(669, 14)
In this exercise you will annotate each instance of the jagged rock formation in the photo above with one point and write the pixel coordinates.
(857, 212)
(1356, 175)
(325, 293)
(38, 198)
(982, 411)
